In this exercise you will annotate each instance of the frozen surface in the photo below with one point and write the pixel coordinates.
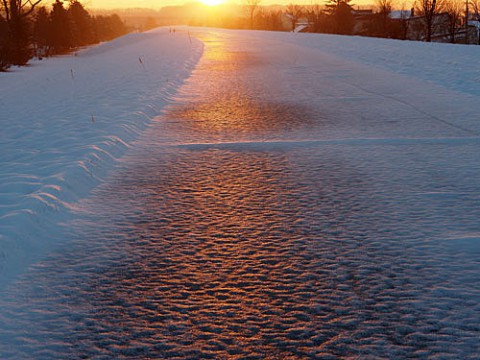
(448, 65)
(291, 201)
(64, 121)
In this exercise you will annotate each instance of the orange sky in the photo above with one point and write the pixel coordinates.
(156, 4)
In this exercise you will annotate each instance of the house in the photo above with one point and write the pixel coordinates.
(440, 28)
(363, 17)
(473, 32)
(302, 26)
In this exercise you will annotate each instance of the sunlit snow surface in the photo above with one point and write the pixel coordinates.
(288, 203)
(64, 121)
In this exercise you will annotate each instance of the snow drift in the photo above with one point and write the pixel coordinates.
(65, 120)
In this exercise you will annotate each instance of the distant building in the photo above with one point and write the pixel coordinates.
(302, 26)
(417, 28)
(473, 32)
(363, 17)
(401, 14)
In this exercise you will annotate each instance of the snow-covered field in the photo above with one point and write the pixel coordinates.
(242, 194)
(64, 121)
(449, 65)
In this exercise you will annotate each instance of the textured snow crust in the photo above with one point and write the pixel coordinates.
(289, 203)
(65, 121)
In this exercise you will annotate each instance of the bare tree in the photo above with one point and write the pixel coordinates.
(405, 22)
(294, 12)
(454, 8)
(476, 8)
(15, 13)
(269, 19)
(316, 17)
(251, 7)
(18, 9)
(384, 10)
(429, 9)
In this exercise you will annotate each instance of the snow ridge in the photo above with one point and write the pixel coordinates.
(66, 120)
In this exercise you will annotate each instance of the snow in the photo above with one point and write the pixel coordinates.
(318, 196)
(452, 66)
(65, 121)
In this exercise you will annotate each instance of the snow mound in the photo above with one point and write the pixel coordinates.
(65, 121)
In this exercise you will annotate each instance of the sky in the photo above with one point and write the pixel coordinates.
(156, 4)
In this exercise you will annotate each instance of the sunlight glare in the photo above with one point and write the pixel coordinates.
(212, 2)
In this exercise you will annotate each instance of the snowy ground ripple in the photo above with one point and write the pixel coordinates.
(248, 226)
(66, 120)
(284, 260)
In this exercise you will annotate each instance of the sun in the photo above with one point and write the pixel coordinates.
(212, 2)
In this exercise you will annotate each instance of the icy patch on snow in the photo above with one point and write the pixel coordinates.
(66, 120)
(464, 243)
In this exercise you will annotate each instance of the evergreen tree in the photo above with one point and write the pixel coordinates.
(4, 58)
(342, 13)
(109, 27)
(49, 33)
(19, 40)
(60, 35)
(41, 32)
(81, 23)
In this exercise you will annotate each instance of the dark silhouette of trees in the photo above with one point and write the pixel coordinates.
(4, 58)
(60, 39)
(454, 8)
(317, 18)
(28, 30)
(16, 15)
(109, 27)
(428, 9)
(383, 15)
(342, 14)
(81, 25)
(41, 32)
(404, 24)
(380, 24)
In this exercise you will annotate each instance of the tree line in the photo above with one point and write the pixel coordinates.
(29, 30)
(421, 22)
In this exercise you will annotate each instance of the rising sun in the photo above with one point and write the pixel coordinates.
(212, 2)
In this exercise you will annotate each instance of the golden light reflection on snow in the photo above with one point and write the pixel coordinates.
(223, 107)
